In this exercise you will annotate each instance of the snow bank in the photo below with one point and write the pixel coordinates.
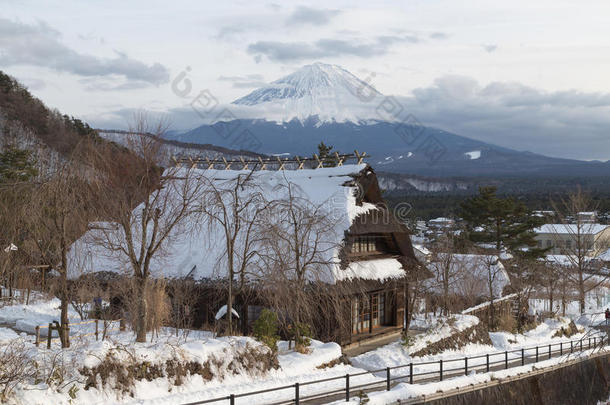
(26, 317)
(396, 354)
(7, 335)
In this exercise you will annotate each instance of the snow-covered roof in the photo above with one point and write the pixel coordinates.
(441, 219)
(571, 229)
(419, 248)
(197, 250)
(565, 260)
(379, 269)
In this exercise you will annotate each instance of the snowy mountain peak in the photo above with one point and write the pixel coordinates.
(327, 91)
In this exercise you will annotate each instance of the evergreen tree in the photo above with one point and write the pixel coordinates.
(502, 221)
(17, 165)
(325, 154)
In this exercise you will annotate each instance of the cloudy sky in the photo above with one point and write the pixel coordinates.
(522, 74)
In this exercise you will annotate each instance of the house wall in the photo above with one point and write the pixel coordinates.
(562, 243)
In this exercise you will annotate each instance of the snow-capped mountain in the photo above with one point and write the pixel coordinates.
(326, 103)
(327, 91)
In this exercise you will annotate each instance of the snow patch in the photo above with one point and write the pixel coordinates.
(473, 155)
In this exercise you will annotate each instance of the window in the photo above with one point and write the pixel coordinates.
(365, 244)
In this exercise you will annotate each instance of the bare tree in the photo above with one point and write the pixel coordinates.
(449, 271)
(148, 213)
(494, 273)
(526, 276)
(58, 214)
(235, 205)
(299, 259)
(577, 242)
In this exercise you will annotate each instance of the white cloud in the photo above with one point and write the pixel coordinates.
(40, 45)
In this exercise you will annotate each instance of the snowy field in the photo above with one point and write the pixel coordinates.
(226, 354)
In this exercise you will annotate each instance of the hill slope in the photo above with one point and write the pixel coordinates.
(397, 148)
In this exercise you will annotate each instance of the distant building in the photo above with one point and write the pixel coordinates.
(563, 239)
(441, 223)
(588, 217)
(548, 215)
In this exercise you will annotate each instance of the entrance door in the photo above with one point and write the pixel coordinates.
(368, 311)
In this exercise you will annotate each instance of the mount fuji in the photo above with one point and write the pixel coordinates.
(328, 92)
(326, 103)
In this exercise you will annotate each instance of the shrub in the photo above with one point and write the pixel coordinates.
(302, 339)
(15, 367)
(265, 329)
(407, 340)
(122, 373)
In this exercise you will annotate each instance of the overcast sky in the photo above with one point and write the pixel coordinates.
(530, 75)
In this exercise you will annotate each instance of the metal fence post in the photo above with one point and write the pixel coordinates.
(536, 354)
(232, 399)
(581, 345)
(387, 375)
(549, 351)
(487, 358)
(346, 387)
(561, 349)
(440, 365)
(589, 343)
(594, 342)
(296, 393)
(522, 356)
(97, 329)
(506, 359)
(571, 346)
(465, 365)
(410, 373)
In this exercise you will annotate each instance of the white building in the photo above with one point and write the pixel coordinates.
(564, 239)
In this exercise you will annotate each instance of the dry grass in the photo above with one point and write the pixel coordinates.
(507, 323)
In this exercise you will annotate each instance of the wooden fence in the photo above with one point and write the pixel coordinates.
(55, 326)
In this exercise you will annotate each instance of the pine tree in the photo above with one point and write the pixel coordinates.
(17, 165)
(502, 221)
(325, 154)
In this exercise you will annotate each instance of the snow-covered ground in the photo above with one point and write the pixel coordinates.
(25, 318)
(404, 391)
(236, 378)
(592, 304)
(396, 354)
(196, 346)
